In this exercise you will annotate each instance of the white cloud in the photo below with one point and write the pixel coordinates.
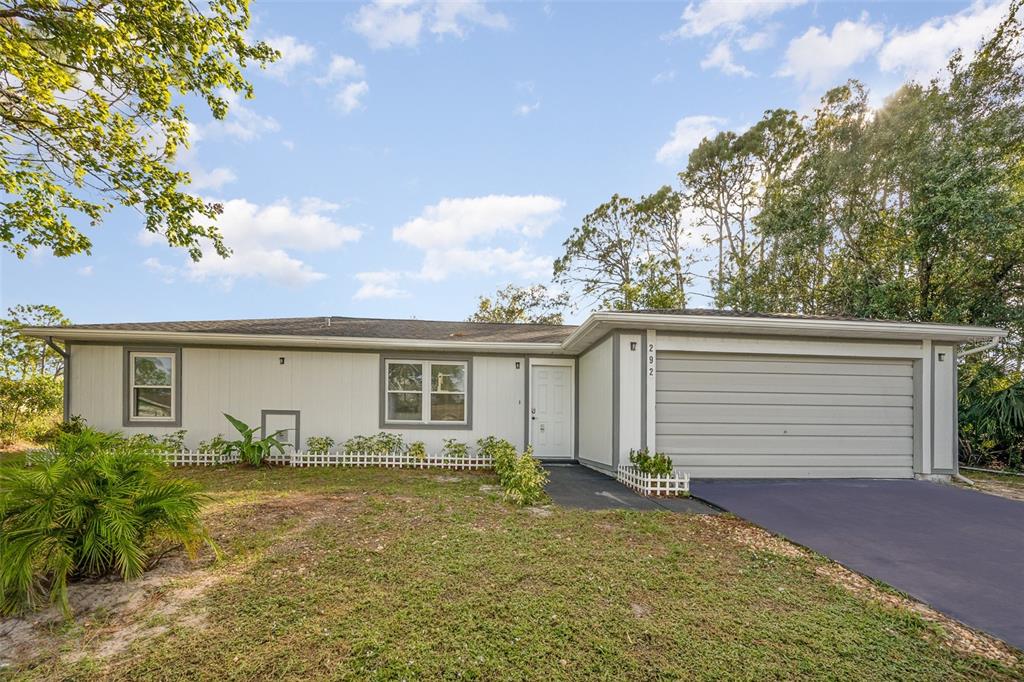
(710, 16)
(756, 41)
(439, 264)
(687, 134)
(452, 16)
(167, 273)
(527, 109)
(260, 239)
(86, 271)
(921, 53)
(380, 284)
(241, 122)
(816, 58)
(349, 98)
(452, 233)
(341, 69)
(455, 222)
(664, 77)
(293, 54)
(203, 179)
(721, 58)
(399, 23)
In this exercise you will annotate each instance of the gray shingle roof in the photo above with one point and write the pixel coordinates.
(719, 312)
(355, 327)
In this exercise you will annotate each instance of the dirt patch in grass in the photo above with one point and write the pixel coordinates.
(1003, 485)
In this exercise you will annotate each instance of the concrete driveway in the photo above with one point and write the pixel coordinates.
(960, 551)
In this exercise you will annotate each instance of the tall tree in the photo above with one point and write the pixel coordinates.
(663, 216)
(534, 304)
(610, 256)
(91, 113)
(23, 356)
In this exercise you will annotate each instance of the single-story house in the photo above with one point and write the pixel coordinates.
(724, 394)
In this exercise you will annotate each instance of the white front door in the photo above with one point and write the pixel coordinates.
(551, 411)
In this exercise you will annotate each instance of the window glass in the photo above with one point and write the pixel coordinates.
(405, 406)
(405, 376)
(447, 407)
(448, 378)
(152, 389)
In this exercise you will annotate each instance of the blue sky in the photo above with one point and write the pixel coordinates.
(403, 159)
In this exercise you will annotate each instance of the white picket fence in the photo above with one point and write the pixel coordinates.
(338, 459)
(676, 483)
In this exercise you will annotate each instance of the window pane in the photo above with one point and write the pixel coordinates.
(152, 370)
(405, 406)
(153, 402)
(448, 378)
(447, 407)
(405, 377)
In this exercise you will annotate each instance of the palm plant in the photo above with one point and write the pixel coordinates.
(94, 505)
(251, 450)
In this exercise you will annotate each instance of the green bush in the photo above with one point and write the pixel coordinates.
(93, 505)
(319, 444)
(658, 464)
(455, 448)
(991, 417)
(417, 450)
(23, 399)
(251, 450)
(380, 444)
(524, 480)
(217, 445)
(502, 452)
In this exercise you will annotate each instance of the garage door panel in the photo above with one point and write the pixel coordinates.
(755, 416)
(786, 445)
(787, 414)
(784, 383)
(782, 365)
(750, 398)
(833, 430)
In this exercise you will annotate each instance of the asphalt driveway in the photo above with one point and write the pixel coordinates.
(573, 485)
(960, 551)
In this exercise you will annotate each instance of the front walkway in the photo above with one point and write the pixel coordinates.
(574, 485)
(960, 551)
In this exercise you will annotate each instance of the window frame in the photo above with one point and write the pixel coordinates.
(128, 393)
(426, 362)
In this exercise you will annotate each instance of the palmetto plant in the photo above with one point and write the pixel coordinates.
(251, 450)
(94, 505)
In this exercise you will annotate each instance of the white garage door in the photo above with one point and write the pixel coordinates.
(765, 416)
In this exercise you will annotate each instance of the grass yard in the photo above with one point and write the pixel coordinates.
(1004, 485)
(383, 574)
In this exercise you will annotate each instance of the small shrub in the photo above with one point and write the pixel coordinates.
(455, 449)
(252, 451)
(319, 444)
(417, 450)
(502, 452)
(380, 444)
(217, 445)
(95, 505)
(174, 441)
(658, 464)
(524, 480)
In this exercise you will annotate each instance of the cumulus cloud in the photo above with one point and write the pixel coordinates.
(816, 58)
(349, 98)
(214, 179)
(922, 52)
(261, 239)
(688, 133)
(399, 23)
(527, 109)
(459, 235)
(379, 284)
(293, 54)
(341, 69)
(455, 222)
(711, 16)
(241, 123)
(721, 58)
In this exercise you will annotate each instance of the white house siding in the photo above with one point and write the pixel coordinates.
(752, 416)
(595, 404)
(630, 408)
(336, 393)
(944, 409)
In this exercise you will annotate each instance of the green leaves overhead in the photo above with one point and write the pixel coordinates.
(92, 114)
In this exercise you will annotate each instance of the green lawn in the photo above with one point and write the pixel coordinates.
(383, 574)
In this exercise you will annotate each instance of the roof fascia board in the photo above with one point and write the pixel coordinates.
(282, 341)
(599, 323)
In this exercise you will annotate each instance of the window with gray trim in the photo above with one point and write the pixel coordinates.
(426, 391)
(152, 386)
